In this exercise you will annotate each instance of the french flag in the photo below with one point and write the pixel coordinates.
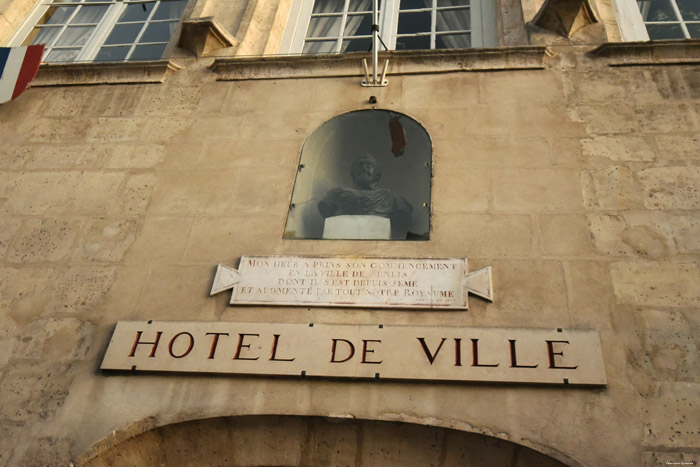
(18, 66)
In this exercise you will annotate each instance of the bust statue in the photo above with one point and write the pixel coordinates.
(367, 199)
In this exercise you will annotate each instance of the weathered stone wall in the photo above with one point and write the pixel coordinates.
(578, 183)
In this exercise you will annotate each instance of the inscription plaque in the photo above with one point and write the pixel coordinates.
(339, 281)
(550, 356)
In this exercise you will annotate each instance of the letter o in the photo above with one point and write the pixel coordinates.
(172, 341)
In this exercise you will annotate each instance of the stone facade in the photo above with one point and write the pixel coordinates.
(571, 169)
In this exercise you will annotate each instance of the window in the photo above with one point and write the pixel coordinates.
(671, 19)
(102, 30)
(364, 175)
(644, 20)
(335, 26)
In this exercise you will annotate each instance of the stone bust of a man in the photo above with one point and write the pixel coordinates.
(367, 199)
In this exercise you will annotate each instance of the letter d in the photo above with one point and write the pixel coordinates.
(333, 349)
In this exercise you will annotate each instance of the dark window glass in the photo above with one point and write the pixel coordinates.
(357, 45)
(657, 10)
(147, 52)
(413, 22)
(112, 54)
(413, 43)
(136, 12)
(124, 33)
(694, 30)
(414, 4)
(664, 31)
(158, 32)
(690, 9)
(170, 10)
(358, 25)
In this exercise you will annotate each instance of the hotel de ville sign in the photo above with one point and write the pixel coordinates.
(376, 351)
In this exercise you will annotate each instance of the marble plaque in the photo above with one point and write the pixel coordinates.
(441, 353)
(339, 281)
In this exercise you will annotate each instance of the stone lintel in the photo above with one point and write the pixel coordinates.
(202, 36)
(666, 52)
(400, 63)
(69, 74)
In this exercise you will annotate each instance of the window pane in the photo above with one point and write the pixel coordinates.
(358, 25)
(413, 43)
(43, 35)
(62, 55)
(136, 12)
(170, 10)
(657, 10)
(112, 54)
(690, 9)
(324, 27)
(362, 5)
(453, 41)
(320, 47)
(694, 30)
(75, 35)
(148, 52)
(664, 31)
(358, 45)
(56, 15)
(158, 32)
(329, 6)
(124, 33)
(89, 14)
(449, 3)
(415, 4)
(410, 23)
(453, 20)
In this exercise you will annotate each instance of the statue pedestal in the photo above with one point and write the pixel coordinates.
(357, 228)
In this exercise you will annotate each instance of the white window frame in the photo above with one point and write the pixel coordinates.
(629, 19)
(483, 24)
(103, 28)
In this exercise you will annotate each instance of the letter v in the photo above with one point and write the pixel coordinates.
(431, 357)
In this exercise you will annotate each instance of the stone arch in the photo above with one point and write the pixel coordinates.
(264, 440)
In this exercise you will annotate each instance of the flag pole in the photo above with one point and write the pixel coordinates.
(375, 81)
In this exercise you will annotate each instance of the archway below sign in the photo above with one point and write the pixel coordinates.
(313, 441)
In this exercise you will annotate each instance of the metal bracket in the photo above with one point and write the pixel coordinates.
(381, 81)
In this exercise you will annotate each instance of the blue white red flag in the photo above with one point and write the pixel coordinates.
(18, 66)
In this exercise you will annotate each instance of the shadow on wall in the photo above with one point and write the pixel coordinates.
(313, 441)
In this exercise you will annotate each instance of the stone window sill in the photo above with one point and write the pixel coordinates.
(668, 52)
(67, 74)
(400, 63)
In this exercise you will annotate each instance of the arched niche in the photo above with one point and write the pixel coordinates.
(313, 441)
(402, 150)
